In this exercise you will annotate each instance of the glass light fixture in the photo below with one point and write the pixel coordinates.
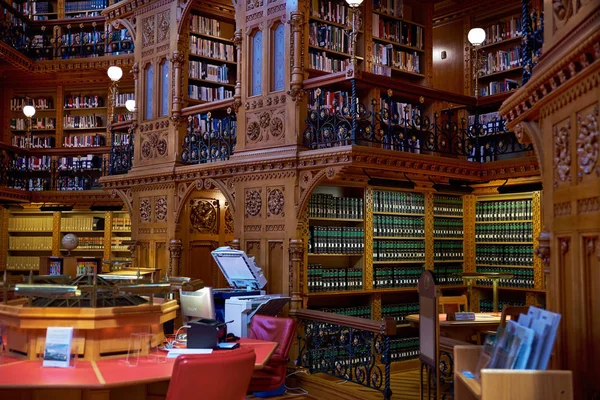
(476, 36)
(115, 73)
(29, 111)
(130, 105)
(354, 3)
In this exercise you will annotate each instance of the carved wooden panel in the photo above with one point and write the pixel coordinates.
(145, 211)
(204, 216)
(275, 202)
(200, 263)
(253, 203)
(587, 143)
(561, 134)
(277, 271)
(253, 250)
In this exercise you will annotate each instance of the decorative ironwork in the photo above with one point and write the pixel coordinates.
(386, 126)
(121, 153)
(209, 139)
(356, 355)
(533, 39)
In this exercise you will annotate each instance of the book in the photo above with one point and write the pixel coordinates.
(57, 350)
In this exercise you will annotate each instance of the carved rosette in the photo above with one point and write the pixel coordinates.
(228, 219)
(204, 215)
(154, 145)
(253, 202)
(587, 141)
(164, 22)
(253, 132)
(562, 155)
(160, 208)
(145, 210)
(148, 31)
(275, 202)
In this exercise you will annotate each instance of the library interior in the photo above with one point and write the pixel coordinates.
(411, 209)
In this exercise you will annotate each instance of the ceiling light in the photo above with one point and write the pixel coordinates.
(354, 3)
(115, 73)
(29, 111)
(130, 105)
(476, 36)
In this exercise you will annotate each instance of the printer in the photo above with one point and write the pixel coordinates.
(246, 298)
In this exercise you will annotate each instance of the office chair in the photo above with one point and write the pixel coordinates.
(223, 375)
(272, 329)
(452, 304)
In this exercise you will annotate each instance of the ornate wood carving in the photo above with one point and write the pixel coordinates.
(178, 59)
(588, 205)
(164, 26)
(562, 209)
(469, 233)
(160, 208)
(309, 180)
(154, 145)
(145, 210)
(296, 252)
(587, 141)
(429, 241)
(228, 219)
(562, 151)
(368, 232)
(204, 216)
(253, 203)
(275, 202)
(127, 196)
(148, 31)
(297, 23)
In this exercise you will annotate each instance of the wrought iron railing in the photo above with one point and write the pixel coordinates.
(408, 130)
(61, 39)
(121, 153)
(209, 138)
(354, 349)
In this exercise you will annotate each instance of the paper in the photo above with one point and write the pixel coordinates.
(173, 353)
(57, 350)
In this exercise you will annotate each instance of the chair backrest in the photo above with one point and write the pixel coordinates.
(273, 329)
(513, 312)
(452, 304)
(223, 375)
(429, 329)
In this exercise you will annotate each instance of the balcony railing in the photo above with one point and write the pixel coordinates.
(209, 138)
(382, 125)
(121, 148)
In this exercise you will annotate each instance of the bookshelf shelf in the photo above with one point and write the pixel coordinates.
(447, 216)
(216, 60)
(497, 73)
(398, 213)
(503, 243)
(215, 83)
(67, 109)
(501, 42)
(212, 37)
(399, 262)
(508, 288)
(448, 261)
(505, 266)
(401, 70)
(398, 44)
(449, 238)
(333, 255)
(324, 21)
(399, 237)
(340, 293)
(337, 53)
(318, 219)
(387, 16)
(503, 222)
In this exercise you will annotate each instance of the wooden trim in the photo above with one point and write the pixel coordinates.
(386, 326)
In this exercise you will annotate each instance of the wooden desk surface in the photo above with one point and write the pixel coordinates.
(480, 319)
(106, 373)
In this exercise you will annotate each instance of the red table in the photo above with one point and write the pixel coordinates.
(98, 379)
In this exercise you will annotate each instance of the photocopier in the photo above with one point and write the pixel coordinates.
(245, 297)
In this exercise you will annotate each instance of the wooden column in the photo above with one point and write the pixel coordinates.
(175, 248)
(296, 249)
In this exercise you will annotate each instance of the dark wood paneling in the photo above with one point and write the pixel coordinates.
(201, 264)
(448, 74)
(275, 273)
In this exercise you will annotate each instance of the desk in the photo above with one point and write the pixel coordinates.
(462, 330)
(98, 380)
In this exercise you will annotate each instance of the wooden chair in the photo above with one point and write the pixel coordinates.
(452, 304)
(507, 311)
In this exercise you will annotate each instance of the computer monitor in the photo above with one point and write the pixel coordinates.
(198, 304)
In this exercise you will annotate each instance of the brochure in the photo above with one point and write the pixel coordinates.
(57, 350)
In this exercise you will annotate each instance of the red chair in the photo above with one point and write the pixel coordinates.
(223, 375)
(280, 330)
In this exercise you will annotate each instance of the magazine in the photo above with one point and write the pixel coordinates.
(57, 351)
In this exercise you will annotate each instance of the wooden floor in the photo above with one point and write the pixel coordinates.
(404, 385)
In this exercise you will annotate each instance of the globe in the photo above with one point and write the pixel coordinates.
(69, 242)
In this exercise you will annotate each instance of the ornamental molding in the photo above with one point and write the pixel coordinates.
(587, 142)
(555, 69)
(204, 215)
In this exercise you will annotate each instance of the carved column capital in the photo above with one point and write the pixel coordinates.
(177, 59)
(175, 247)
(543, 249)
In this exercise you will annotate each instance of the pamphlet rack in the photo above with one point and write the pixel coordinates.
(505, 384)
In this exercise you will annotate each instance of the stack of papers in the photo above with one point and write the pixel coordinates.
(173, 353)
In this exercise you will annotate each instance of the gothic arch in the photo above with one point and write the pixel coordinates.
(309, 180)
(185, 189)
(127, 24)
(126, 196)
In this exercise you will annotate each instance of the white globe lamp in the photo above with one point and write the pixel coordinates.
(476, 36)
(130, 105)
(115, 73)
(354, 3)
(29, 111)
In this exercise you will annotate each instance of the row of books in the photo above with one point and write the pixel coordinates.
(396, 277)
(503, 30)
(499, 87)
(322, 279)
(123, 117)
(447, 250)
(403, 349)
(328, 37)
(398, 202)
(504, 232)
(34, 7)
(86, 267)
(504, 254)
(29, 184)
(323, 205)
(328, 100)
(487, 305)
(399, 250)
(30, 243)
(82, 121)
(84, 141)
(122, 223)
(30, 163)
(398, 226)
(209, 48)
(116, 243)
(79, 163)
(522, 277)
(490, 122)
(202, 124)
(331, 10)
(20, 124)
(209, 93)
(36, 142)
(386, 55)
(449, 274)
(398, 111)
(83, 101)
(90, 243)
(358, 312)
(395, 8)
(84, 5)
(209, 72)
(447, 205)
(75, 183)
(509, 210)
(336, 240)
(205, 25)
(399, 311)
(397, 31)
(448, 227)
(76, 224)
(121, 139)
(502, 60)
(122, 98)
(40, 103)
(322, 61)
(22, 263)
(30, 224)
